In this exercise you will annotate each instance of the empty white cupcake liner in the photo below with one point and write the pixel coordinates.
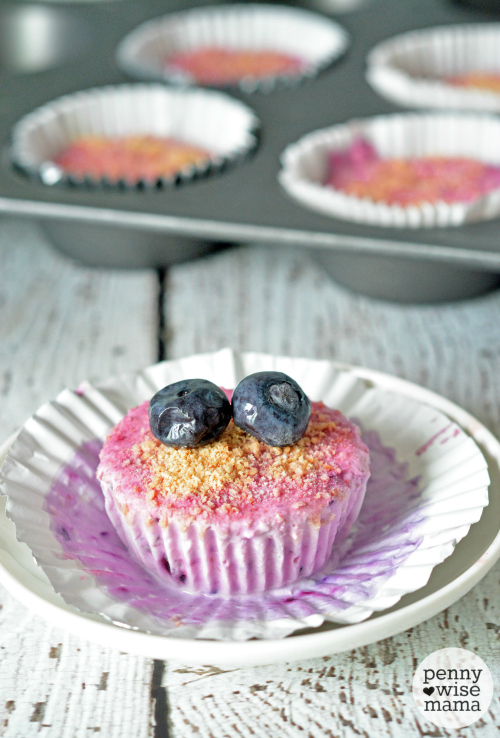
(211, 120)
(412, 69)
(304, 166)
(429, 484)
(315, 39)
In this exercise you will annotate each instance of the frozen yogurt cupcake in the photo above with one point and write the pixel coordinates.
(234, 514)
(133, 136)
(410, 170)
(251, 46)
(454, 67)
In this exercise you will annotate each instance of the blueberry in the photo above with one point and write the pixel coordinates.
(272, 407)
(189, 413)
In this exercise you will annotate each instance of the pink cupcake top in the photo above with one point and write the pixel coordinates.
(361, 172)
(213, 65)
(129, 158)
(237, 477)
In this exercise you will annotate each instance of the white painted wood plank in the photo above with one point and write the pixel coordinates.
(281, 302)
(61, 323)
(364, 692)
(59, 685)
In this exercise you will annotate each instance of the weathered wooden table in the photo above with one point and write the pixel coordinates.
(61, 323)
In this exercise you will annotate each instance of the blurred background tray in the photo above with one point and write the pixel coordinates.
(75, 49)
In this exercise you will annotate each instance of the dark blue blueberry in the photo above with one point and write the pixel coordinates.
(272, 407)
(189, 413)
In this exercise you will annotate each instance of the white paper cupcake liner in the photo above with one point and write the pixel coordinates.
(429, 483)
(304, 166)
(205, 561)
(226, 128)
(311, 37)
(412, 69)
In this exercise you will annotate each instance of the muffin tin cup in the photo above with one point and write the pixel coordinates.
(210, 120)
(428, 485)
(417, 135)
(412, 69)
(299, 33)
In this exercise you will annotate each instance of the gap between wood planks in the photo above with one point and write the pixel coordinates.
(162, 330)
(159, 694)
(160, 700)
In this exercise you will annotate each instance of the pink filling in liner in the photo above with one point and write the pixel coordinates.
(361, 172)
(218, 66)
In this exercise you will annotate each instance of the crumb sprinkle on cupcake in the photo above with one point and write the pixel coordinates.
(237, 474)
(214, 65)
(361, 172)
(129, 158)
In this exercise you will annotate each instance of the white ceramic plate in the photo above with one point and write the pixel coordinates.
(471, 560)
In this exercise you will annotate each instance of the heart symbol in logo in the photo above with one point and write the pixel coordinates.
(428, 690)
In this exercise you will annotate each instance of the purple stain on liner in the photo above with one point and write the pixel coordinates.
(384, 537)
(453, 435)
(429, 443)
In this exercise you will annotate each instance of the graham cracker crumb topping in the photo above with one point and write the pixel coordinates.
(236, 458)
(234, 474)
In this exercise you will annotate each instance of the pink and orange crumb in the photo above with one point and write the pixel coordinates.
(236, 476)
(361, 172)
(219, 66)
(486, 81)
(129, 158)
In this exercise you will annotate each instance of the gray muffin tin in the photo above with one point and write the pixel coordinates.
(75, 49)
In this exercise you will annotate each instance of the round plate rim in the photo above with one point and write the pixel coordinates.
(33, 594)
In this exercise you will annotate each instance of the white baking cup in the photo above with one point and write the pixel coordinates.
(311, 37)
(411, 69)
(305, 164)
(211, 120)
(437, 487)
